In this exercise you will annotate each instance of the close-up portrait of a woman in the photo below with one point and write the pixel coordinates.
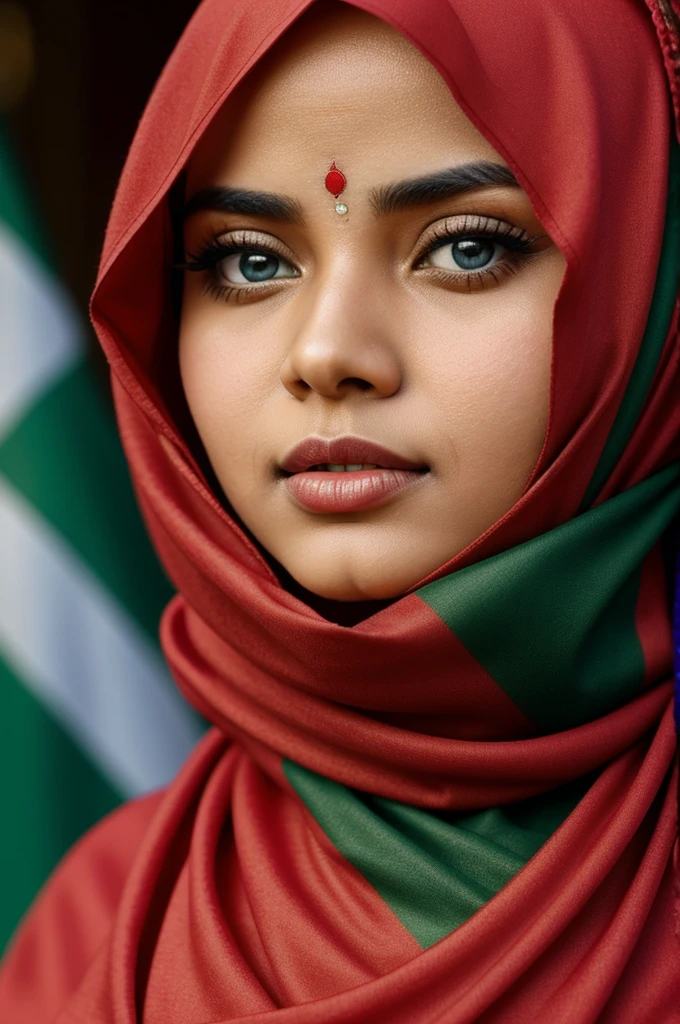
(389, 300)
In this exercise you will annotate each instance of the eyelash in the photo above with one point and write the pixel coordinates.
(515, 240)
(213, 252)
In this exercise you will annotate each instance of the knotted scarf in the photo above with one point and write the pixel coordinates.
(463, 808)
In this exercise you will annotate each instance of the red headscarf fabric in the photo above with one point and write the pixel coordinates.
(235, 893)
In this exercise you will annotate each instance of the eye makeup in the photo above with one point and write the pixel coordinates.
(483, 250)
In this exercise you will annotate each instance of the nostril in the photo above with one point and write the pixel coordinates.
(363, 385)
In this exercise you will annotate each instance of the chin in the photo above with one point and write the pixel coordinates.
(339, 585)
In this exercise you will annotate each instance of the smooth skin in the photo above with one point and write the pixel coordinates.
(370, 325)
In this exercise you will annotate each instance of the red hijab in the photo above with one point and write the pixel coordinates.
(301, 861)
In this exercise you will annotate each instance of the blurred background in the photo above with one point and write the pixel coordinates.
(89, 714)
(74, 78)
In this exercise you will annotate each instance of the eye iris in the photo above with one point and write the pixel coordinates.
(472, 253)
(257, 266)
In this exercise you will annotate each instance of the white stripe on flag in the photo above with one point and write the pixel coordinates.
(82, 655)
(40, 335)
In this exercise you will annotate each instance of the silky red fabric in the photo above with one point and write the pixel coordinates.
(221, 899)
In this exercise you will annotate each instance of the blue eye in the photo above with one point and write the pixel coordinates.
(466, 253)
(252, 267)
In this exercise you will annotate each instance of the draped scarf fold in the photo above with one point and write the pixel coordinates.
(464, 807)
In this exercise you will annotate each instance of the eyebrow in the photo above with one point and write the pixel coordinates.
(444, 184)
(224, 199)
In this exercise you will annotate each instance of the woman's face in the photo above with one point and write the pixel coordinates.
(419, 320)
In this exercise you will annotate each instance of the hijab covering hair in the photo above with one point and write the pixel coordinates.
(464, 807)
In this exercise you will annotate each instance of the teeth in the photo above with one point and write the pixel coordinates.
(334, 467)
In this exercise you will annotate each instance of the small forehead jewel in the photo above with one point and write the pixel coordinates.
(335, 184)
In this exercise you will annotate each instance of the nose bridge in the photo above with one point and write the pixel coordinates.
(343, 338)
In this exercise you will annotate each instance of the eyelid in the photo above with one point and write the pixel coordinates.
(445, 230)
(463, 224)
(255, 240)
(207, 254)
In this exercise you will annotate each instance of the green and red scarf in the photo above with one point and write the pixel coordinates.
(463, 807)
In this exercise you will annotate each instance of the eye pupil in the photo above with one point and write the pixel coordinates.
(472, 253)
(257, 266)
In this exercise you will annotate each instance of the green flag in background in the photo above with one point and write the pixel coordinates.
(89, 714)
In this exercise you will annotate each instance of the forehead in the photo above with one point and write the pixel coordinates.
(339, 84)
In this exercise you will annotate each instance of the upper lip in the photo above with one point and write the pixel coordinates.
(347, 450)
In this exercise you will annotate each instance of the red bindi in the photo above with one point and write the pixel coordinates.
(335, 183)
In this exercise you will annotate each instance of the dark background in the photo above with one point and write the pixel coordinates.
(74, 78)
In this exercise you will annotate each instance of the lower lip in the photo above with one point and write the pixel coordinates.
(353, 491)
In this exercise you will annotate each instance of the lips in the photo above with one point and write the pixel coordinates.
(344, 451)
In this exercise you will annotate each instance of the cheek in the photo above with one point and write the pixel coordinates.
(493, 383)
(223, 383)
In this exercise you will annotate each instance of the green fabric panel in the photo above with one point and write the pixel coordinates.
(51, 458)
(576, 585)
(656, 332)
(15, 211)
(434, 870)
(52, 794)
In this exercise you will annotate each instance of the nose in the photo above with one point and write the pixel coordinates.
(343, 342)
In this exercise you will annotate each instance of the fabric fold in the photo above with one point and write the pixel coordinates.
(463, 807)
